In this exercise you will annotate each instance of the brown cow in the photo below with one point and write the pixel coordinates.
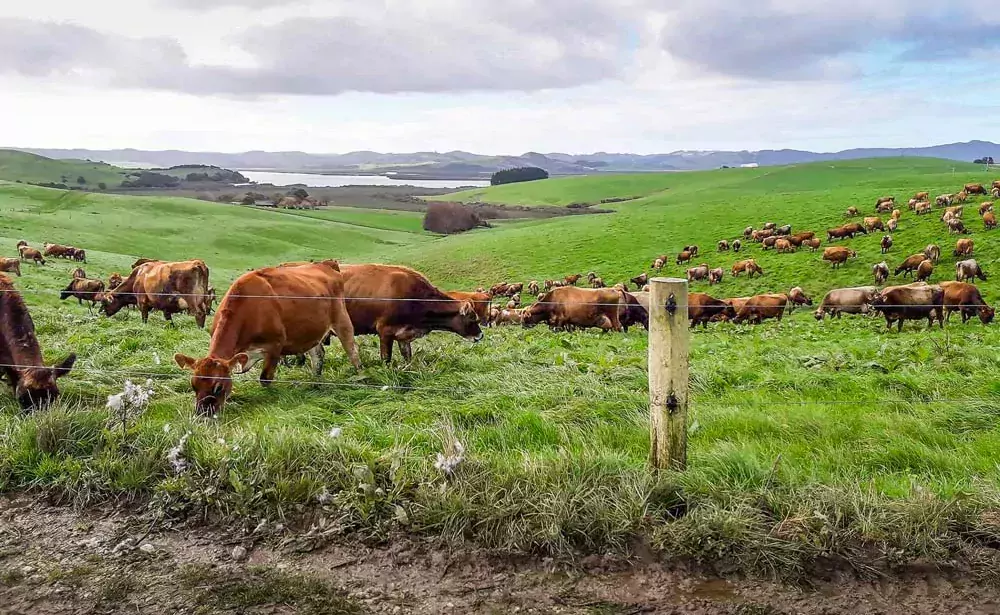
(480, 301)
(885, 199)
(399, 304)
(813, 244)
(31, 254)
(698, 273)
(513, 289)
(115, 280)
(692, 249)
(985, 206)
(571, 280)
(83, 289)
(838, 255)
(499, 289)
(770, 226)
(636, 311)
(747, 232)
(922, 196)
(803, 235)
(578, 307)
(995, 192)
(961, 197)
(533, 288)
(886, 243)
(764, 234)
(896, 214)
(839, 301)
(911, 264)
(273, 312)
(964, 247)
(737, 245)
(640, 280)
(974, 189)
(967, 300)
(684, 257)
(955, 211)
(943, 200)
(968, 270)
(9, 265)
(749, 266)
(924, 271)
(507, 317)
(769, 242)
(761, 307)
(168, 287)
(922, 208)
(715, 276)
(881, 272)
(875, 223)
(702, 308)
(956, 226)
(79, 273)
(851, 212)
(933, 252)
(658, 264)
(912, 204)
(990, 220)
(723, 245)
(899, 303)
(784, 246)
(79, 254)
(60, 251)
(33, 383)
(847, 230)
(892, 225)
(796, 296)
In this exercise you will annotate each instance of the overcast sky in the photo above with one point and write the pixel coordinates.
(497, 76)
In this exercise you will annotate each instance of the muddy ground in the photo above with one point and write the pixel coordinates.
(57, 560)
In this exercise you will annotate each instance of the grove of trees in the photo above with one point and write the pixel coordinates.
(448, 218)
(518, 174)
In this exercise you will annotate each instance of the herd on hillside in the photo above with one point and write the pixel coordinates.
(295, 309)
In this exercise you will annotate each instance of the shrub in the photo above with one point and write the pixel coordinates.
(248, 199)
(299, 193)
(102, 186)
(150, 179)
(448, 218)
(81, 180)
(518, 174)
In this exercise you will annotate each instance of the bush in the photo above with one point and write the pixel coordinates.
(81, 180)
(299, 193)
(448, 218)
(102, 186)
(248, 199)
(518, 174)
(149, 179)
(197, 177)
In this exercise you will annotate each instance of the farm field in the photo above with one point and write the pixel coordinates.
(808, 439)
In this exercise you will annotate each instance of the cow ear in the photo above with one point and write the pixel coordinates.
(240, 359)
(184, 362)
(467, 310)
(62, 368)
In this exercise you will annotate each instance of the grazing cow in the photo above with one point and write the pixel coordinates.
(79, 254)
(947, 217)
(507, 317)
(33, 383)
(961, 197)
(933, 252)
(813, 244)
(513, 304)
(715, 276)
(964, 247)
(683, 257)
(533, 287)
(911, 264)
(782, 231)
(747, 231)
(922, 196)
(912, 204)
(31, 254)
(702, 308)
(838, 255)
(571, 280)
(597, 283)
(922, 208)
(79, 273)
(768, 243)
(995, 192)
(749, 266)
(578, 307)
(795, 241)
(10, 265)
(969, 270)
(770, 226)
(924, 271)
(513, 289)
(784, 246)
(943, 200)
(723, 245)
(881, 272)
(886, 243)
(759, 236)
(83, 289)
(985, 206)
(115, 280)
(966, 299)
(996, 183)
(737, 245)
(797, 296)
(500, 290)
(58, 251)
(892, 225)
(480, 301)
(640, 280)
(990, 220)
(168, 287)
(273, 312)
(400, 304)
(884, 199)
(857, 300)
(974, 189)
(692, 249)
(955, 211)
(873, 224)
(900, 303)
(761, 307)
(851, 212)
(803, 235)
(636, 311)
(658, 264)
(698, 273)
(956, 226)
(847, 230)
(885, 207)
(896, 214)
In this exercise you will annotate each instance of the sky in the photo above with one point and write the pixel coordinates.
(497, 76)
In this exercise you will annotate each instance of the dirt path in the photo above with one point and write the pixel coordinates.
(55, 560)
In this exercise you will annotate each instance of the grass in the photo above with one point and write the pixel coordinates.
(397, 220)
(807, 440)
(32, 168)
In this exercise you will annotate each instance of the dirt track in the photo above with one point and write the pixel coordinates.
(54, 560)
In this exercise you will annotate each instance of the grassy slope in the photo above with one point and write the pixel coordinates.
(15, 165)
(398, 220)
(794, 449)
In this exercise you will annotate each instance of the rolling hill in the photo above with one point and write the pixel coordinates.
(33, 168)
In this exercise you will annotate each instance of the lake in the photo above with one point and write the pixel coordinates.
(332, 181)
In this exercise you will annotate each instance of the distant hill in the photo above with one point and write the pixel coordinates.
(465, 165)
(31, 168)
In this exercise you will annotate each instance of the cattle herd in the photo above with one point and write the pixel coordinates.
(296, 308)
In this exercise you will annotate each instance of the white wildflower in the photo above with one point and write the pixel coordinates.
(335, 432)
(221, 441)
(175, 456)
(131, 402)
(116, 402)
(448, 463)
(166, 428)
(156, 358)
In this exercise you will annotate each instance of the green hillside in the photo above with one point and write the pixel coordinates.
(31, 168)
(808, 440)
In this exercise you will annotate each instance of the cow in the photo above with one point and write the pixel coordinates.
(770, 226)
(960, 197)
(115, 280)
(802, 236)
(578, 307)
(996, 183)
(597, 283)
(912, 203)
(974, 189)
(922, 208)
(723, 245)
(165, 286)
(59, 251)
(933, 252)
(884, 199)
(83, 289)
(34, 385)
(715, 276)
(768, 243)
(571, 280)
(640, 280)
(692, 249)
(513, 304)
(969, 270)
(943, 200)
(985, 206)
(886, 243)
(79, 254)
(956, 226)
(892, 225)
(499, 289)
(736, 303)
(784, 246)
(79, 273)
(513, 289)
(813, 244)
(911, 264)
(480, 301)
(698, 273)
(857, 300)
(924, 271)
(896, 215)
(900, 303)
(956, 210)
(851, 212)
(874, 224)
(759, 236)
(838, 255)
(749, 266)
(533, 288)
(847, 230)
(11, 265)
(782, 231)
(881, 272)
(703, 308)
(399, 304)
(964, 247)
(658, 264)
(796, 296)
(990, 221)
(947, 217)
(506, 317)
(747, 231)
(885, 208)
(922, 196)
(737, 245)
(967, 300)
(761, 307)
(683, 257)
(271, 312)
(28, 253)
(635, 311)
(995, 192)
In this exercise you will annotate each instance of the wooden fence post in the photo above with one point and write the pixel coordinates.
(668, 373)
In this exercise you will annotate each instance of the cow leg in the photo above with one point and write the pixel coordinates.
(271, 360)
(316, 356)
(405, 349)
(385, 346)
(344, 330)
(169, 317)
(144, 312)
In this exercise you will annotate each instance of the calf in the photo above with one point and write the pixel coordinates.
(964, 247)
(896, 215)
(749, 266)
(508, 317)
(886, 243)
(813, 244)
(703, 308)
(922, 208)
(892, 225)
(784, 246)
(989, 220)
(901, 303)
(83, 289)
(683, 257)
(838, 255)
(966, 299)
(11, 265)
(796, 296)
(933, 252)
(578, 307)
(847, 301)
(969, 270)
(499, 290)
(723, 245)
(56, 250)
(924, 271)
(874, 224)
(881, 272)
(640, 280)
(658, 264)
(737, 245)
(911, 264)
(533, 287)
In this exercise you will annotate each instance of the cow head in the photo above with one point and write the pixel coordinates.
(112, 303)
(537, 312)
(820, 313)
(36, 386)
(211, 379)
(986, 314)
(799, 297)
